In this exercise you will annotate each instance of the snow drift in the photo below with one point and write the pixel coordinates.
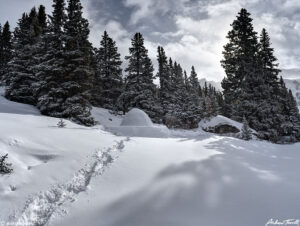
(222, 125)
(136, 117)
(137, 123)
(219, 120)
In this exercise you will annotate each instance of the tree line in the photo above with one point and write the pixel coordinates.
(252, 87)
(48, 62)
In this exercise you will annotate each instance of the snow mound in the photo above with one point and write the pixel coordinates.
(136, 123)
(136, 117)
(106, 118)
(214, 123)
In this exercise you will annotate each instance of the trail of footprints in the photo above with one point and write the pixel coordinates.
(39, 208)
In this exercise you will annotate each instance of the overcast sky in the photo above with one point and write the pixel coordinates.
(192, 32)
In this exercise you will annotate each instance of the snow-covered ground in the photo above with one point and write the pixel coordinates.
(88, 176)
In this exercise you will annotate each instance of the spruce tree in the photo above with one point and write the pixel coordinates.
(108, 80)
(6, 50)
(5, 167)
(239, 62)
(194, 111)
(78, 72)
(164, 80)
(20, 77)
(179, 98)
(246, 131)
(139, 91)
(1, 52)
(42, 18)
(251, 88)
(50, 95)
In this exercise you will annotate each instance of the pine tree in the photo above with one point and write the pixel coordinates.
(179, 98)
(20, 77)
(42, 18)
(139, 91)
(5, 50)
(165, 81)
(194, 111)
(4, 166)
(1, 54)
(78, 73)
(239, 62)
(210, 103)
(108, 80)
(246, 131)
(50, 95)
(61, 123)
(251, 87)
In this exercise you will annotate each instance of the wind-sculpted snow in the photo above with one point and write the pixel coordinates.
(40, 208)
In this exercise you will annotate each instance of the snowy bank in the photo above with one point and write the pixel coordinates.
(136, 123)
(221, 125)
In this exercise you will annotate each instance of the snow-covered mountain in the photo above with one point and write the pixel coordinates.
(215, 84)
(294, 86)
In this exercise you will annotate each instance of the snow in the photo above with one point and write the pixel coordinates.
(88, 176)
(105, 118)
(136, 123)
(219, 120)
(16, 108)
(136, 117)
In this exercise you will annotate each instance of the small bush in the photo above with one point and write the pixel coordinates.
(246, 131)
(61, 124)
(5, 167)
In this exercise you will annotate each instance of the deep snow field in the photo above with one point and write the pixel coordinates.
(89, 176)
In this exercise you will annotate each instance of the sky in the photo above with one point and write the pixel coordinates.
(192, 32)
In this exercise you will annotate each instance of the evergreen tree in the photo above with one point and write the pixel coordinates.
(61, 123)
(251, 88)
(78, 73)
(210, 104)
(42, 18)
(1, 53)
(246, 131)
(139, 89)
(5, 50)
(164, 76)
(239, 62)
(20, 77)
(194, 111)
(51, 94)
(4, 166)
(108, 80)
(180, 95)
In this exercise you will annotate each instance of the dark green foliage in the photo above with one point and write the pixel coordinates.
(20, 77)
(108, 79)
(65, 71)
(252, 88)
(61, 123)
(194, 111)
(5, 51)
(246, 131)
(164, 76)
(50, 95)
(139, 90)
(42, 18)
(78, 73)
(4, 166)
(239, 62)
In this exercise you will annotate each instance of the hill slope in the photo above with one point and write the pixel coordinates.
(87, 176)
